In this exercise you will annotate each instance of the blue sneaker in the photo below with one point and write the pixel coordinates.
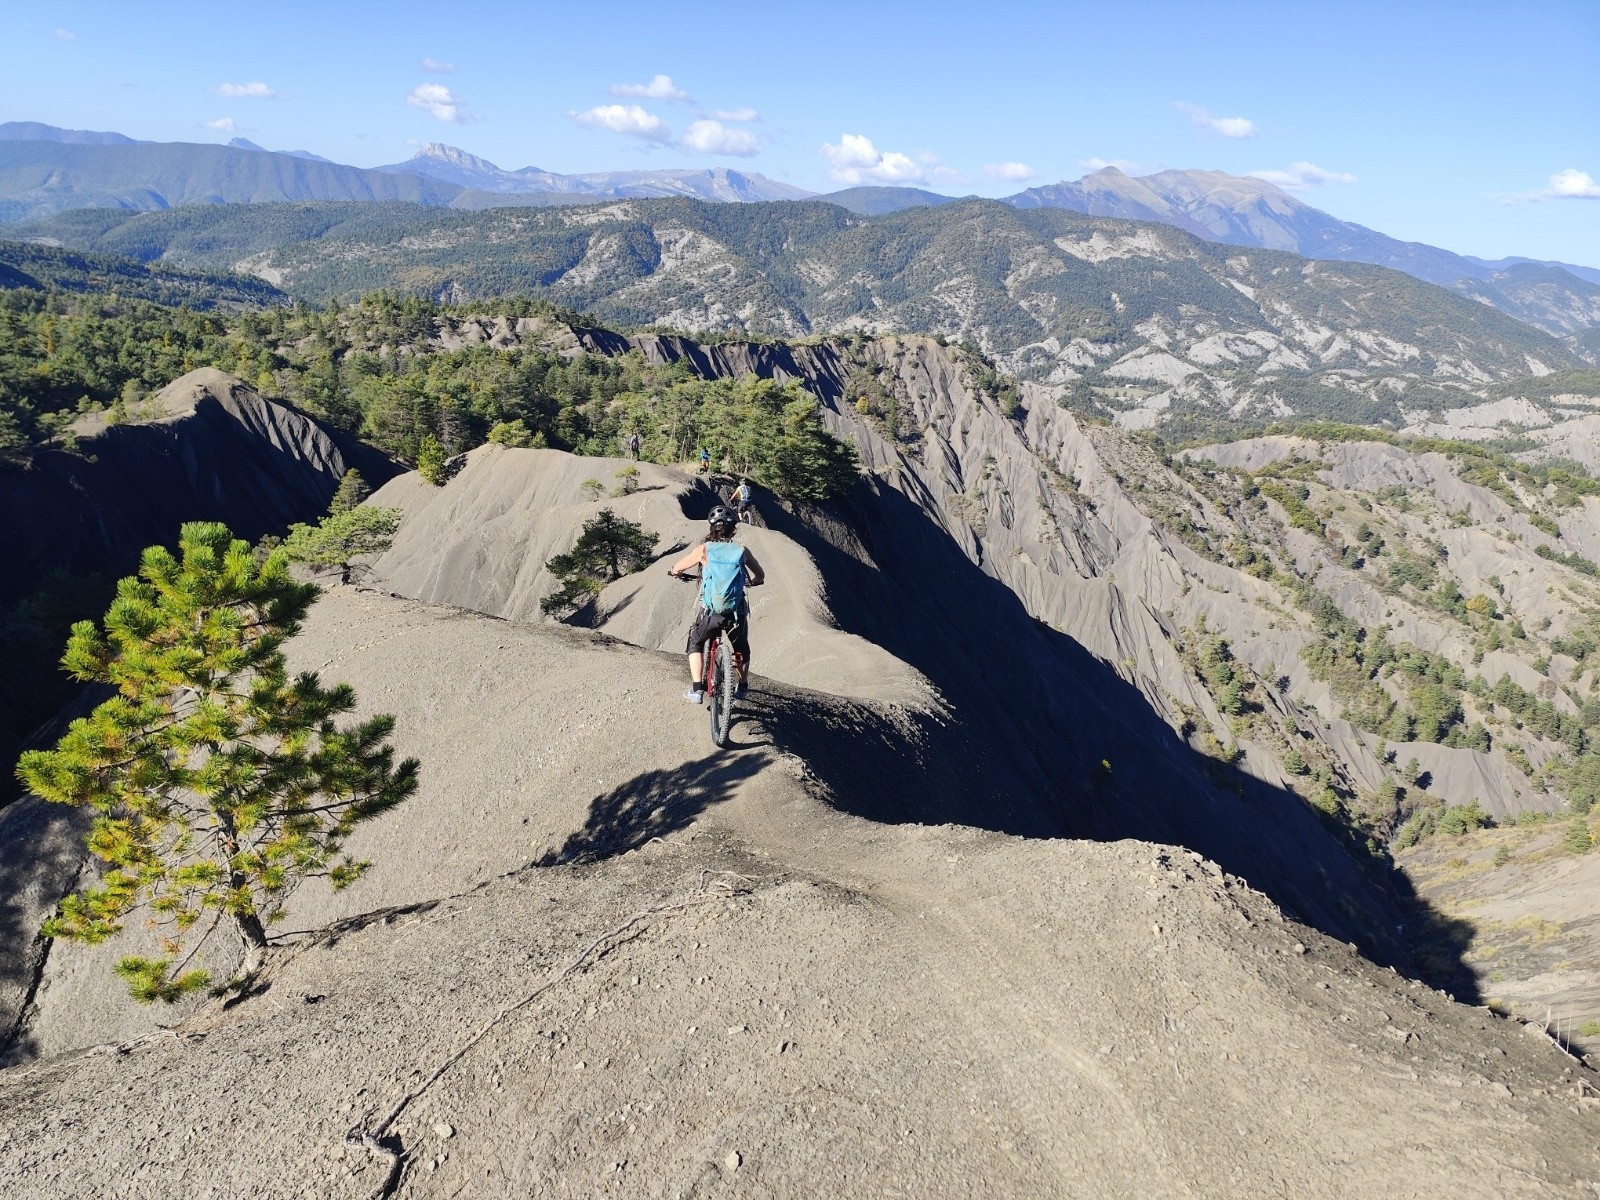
(739, 692)
(694, 695)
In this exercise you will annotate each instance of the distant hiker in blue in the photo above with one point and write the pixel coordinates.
(725, 566)
(705, 460)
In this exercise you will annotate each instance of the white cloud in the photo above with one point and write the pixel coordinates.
(247, 91)
(223, 125)
(1571, 184)
(436, 67)
(66, 35)
(440, 103)
(740, 115)
(713, 137)
(660, 87)
(627, 119)
(1011, 172)
(1303, 176)
(1100, 164)
(856, 160)
(1229, 127)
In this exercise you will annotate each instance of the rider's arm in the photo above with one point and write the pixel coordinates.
(757, 575)
(695, 558)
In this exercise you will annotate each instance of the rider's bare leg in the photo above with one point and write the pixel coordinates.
(696, 666)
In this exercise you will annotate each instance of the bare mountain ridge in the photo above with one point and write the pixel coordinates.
(1241, 210)
(719, 183)
(1154, 564)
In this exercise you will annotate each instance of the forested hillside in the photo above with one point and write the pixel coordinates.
(51, 268)
(395, 371)
(1137, 319)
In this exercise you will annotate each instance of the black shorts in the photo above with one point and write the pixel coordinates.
(736, 627)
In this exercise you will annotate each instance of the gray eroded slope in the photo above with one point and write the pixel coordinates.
(843, 1009)
(211, 450)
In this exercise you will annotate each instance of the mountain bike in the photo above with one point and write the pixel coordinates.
(720, 672)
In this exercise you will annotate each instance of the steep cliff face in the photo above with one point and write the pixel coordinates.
(216, 452)
(210, 449)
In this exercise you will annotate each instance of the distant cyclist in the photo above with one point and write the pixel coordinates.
(705, 460)
(725, 567)
(741, 500)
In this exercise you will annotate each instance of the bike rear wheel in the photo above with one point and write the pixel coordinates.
(719, 690)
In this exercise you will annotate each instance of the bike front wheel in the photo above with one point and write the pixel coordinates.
(719, 691)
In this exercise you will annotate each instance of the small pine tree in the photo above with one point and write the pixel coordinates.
(1294, 762)
(608, 548)
(342, 536)
(431, 460)
(217, 782)
(353, 491)
(627, 481)
(514, 434)
(1578, 839)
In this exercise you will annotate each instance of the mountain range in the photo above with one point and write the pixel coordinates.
(45, 170)
(438, 161)
(1140, 322)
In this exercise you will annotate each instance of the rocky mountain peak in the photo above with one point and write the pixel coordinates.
(455, 156)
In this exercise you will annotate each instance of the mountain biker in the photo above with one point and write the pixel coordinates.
(705, 460)
(724, 568)
(741, 499)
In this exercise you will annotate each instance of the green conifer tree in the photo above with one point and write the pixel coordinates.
(431, 460)
(352, 492)
(608, 548)
(342, 536)
(1578, 839)
(217, 781)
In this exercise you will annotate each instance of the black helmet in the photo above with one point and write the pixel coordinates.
(722, 517)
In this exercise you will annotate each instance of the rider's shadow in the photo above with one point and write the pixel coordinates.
(655, 804)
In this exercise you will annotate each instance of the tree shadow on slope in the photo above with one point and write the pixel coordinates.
(655, 804)
(1043, 739)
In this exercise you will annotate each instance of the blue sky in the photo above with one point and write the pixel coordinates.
(1473, 126)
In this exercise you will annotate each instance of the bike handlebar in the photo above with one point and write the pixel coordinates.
(687, 578)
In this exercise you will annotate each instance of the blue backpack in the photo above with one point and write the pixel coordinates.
(722, 578)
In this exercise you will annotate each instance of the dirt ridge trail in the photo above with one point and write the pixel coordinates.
(861, 1009)
(885, 601)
